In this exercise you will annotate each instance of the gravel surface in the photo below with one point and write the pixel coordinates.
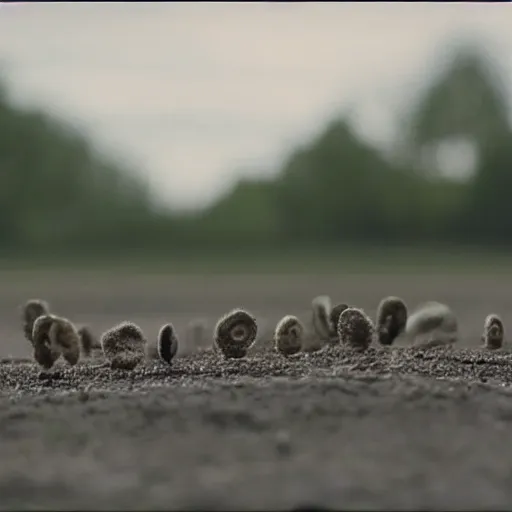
(390, 428)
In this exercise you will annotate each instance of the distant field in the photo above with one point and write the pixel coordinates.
(370, 260)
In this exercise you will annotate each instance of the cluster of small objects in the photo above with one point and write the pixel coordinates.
(206, 368)
(124, 347)
(433, 324)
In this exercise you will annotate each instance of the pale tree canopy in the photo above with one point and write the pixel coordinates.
(458, 115)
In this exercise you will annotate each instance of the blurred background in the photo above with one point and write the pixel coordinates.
(171, 151)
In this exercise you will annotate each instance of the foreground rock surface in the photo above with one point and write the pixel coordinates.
(389, 428)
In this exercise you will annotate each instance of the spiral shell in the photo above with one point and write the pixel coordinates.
(289, 335)
(124, 346)
(30, 311)
(167, 343)
(355, 329)
(235, 333)
(391, 319)
(494, 332)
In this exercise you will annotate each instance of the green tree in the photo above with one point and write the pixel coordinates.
(58, 192)
(489, 214)
(341, 189)
(466, 99)
(246, 217)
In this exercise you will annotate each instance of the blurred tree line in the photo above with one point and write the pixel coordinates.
(58, 193)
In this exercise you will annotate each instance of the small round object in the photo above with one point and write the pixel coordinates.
(45, 352)
(355, 329)
(289, 335)
(430, 317)
(63, 334)
(167, 343)
(334, 318)
(391, 319)
(32, 309)
(124, 345)
(235, 333)
(494, 332)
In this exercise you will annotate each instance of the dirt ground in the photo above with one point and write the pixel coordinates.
(399, 428)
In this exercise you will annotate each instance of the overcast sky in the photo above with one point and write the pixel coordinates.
(197, 93)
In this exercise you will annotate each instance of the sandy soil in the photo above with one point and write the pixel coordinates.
(396, 428)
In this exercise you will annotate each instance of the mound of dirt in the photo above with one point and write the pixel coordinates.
(20, 377)
(394, 428)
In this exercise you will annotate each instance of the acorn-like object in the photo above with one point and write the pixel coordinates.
(124, 346)
(391, 319)
(494, 332)
(334, 318)
(167, 343)
(235, 333)
(355, 329)
(321, 307)
(289, 336)
(46, 351)
(31, 310)
(88, 341)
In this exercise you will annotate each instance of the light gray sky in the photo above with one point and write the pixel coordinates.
(197, 93)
